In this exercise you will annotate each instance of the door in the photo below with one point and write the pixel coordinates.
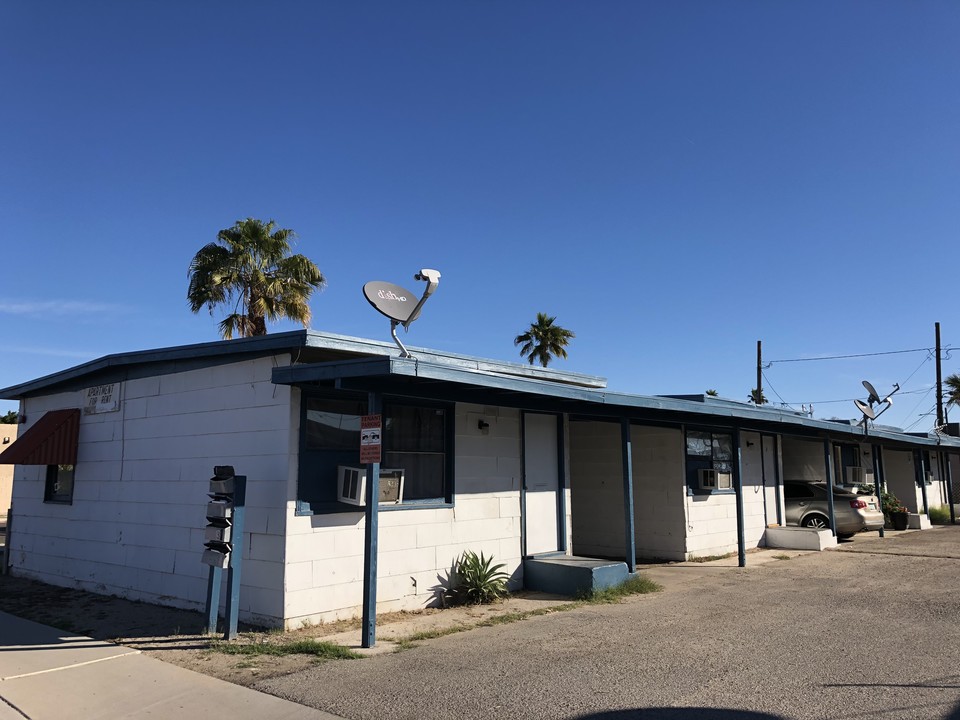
(771, 496)
(541, 483)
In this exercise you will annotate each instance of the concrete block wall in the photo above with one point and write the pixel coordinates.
(712, 519)
(900, 475)
(596, 490)
(135, 527)
(324, 553)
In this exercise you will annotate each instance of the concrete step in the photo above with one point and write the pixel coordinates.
(571, 575)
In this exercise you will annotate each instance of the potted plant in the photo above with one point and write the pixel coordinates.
(895, 511)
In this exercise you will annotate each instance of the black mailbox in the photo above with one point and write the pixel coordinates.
(218, 535)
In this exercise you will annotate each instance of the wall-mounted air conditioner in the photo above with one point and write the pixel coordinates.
(856, 475)
(711, 479)
(352, 485)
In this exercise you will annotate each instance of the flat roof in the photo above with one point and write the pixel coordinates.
(306, 345)
(360, 363)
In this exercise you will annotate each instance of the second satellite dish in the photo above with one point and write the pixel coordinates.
(865, 409)
(874, 396)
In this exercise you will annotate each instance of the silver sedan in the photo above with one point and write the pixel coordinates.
(808, 506)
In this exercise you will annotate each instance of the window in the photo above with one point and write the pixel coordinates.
(417, 438)
(59, 484)
(708, 451)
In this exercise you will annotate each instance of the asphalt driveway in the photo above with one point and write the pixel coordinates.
(866, 631)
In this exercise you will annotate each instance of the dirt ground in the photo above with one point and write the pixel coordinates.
(177, 636)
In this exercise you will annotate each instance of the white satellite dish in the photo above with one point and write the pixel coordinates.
(865, 409)
(397, 303)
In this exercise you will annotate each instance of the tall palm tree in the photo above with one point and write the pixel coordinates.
(544, 340)
(251, 270)
(953, 389)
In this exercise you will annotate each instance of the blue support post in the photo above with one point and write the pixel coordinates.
(738, 489)
(369, 636)
(213, 598)
(561, 488)
(236, 557)
(828, 467)
(626, 456)
(948, 474)
(920, 469)
(876, 479)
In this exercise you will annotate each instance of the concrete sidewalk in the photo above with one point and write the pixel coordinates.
(50, 674)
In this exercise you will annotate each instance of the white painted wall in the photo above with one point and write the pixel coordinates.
(596, 479)
(712, 519)
(324, 553)
(135, 527)
(900, 475)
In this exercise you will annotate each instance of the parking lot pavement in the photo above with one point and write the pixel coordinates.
(869, 631)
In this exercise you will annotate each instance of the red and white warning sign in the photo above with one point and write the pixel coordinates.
(370, 430)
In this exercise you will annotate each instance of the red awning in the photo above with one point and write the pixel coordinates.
(51, 441)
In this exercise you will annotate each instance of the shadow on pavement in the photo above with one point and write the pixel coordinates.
(687, 713)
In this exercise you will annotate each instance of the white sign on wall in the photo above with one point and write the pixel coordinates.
(101, 399)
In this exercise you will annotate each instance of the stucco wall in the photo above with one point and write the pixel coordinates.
(324, 553)
(596, 479)
(8, 435)
(135, 527)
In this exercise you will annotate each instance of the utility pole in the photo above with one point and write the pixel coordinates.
(759, 398)
(939, 379)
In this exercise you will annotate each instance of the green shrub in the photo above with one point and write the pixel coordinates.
(940, 514)
(476, 580)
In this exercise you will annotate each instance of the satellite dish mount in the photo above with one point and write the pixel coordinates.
(395, 302)
(869, 412)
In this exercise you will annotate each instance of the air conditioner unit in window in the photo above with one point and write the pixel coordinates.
(352, 485)
(724, 481)
(856, 476)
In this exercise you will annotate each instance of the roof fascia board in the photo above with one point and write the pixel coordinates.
(263, 344)
(617, 404)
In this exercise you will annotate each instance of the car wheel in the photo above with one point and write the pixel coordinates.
(816, 521)
(845, 536)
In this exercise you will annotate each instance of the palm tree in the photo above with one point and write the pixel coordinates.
(713, 393)
(251, 269)
(544, 340)
(953, 389)
(753, 397)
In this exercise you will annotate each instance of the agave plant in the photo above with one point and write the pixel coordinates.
(477, 580)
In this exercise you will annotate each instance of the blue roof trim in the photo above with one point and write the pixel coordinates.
(619, 404)
(292, 341)
(219, 348)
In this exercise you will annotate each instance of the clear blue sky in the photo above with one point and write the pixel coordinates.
(672, 180)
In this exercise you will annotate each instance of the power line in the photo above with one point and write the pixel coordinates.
(828, 402)
(857, 355)
(767, 380)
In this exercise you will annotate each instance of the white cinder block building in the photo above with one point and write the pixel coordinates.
(114, 461)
